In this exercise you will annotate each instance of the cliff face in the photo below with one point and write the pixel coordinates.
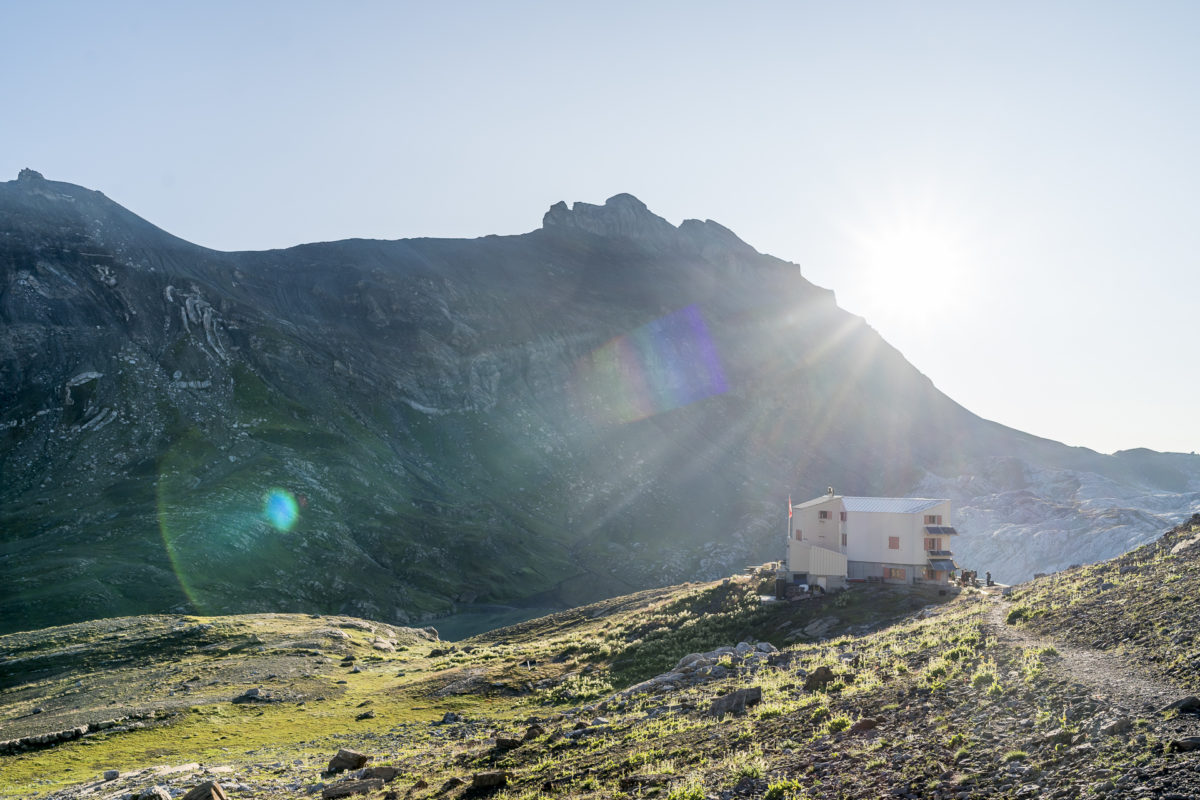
(399, 428)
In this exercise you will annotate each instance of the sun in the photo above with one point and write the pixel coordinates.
(911, 267)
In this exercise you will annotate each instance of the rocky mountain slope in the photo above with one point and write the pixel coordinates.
(401, 429)
(693, 692)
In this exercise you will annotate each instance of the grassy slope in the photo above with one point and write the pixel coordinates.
(953, 710)
(1142, 604)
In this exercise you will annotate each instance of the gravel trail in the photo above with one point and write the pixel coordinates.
(1107, 676)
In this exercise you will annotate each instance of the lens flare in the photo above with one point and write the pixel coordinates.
(280, 509)
(665, 364)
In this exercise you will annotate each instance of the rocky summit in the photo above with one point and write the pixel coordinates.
(404, 429)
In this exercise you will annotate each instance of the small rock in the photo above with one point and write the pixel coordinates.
(112, 774)
(365, 715)
(1058, 736)
(451, 783)
(154, 793)
(534, 731)
(255, 696)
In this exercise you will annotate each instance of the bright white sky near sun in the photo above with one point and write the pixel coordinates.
(1006, 191)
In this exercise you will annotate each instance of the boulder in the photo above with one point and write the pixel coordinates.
(255, 695)
(347, 759)
(534, 731)
(365, 715)
(864, 724)
(154, 793)
(383, 773)
(489, 781)
(209, 790)
(1184, 705)
(818, 678)
(689, 660)
(735, 702)
(506, 743)
(1116, 726)
(1185, 745)
(112, 774)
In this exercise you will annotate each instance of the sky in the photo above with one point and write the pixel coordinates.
(1007, 192)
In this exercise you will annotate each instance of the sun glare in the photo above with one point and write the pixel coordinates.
(911, 268)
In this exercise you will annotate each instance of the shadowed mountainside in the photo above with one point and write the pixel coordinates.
(400, 429)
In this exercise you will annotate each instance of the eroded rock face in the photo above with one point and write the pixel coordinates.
(622, 215)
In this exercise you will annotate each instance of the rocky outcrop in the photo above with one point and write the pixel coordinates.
(698, 668)
(622, 216)
(351, 788)
(39, 741)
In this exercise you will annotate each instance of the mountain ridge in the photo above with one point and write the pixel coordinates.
(539, 419)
